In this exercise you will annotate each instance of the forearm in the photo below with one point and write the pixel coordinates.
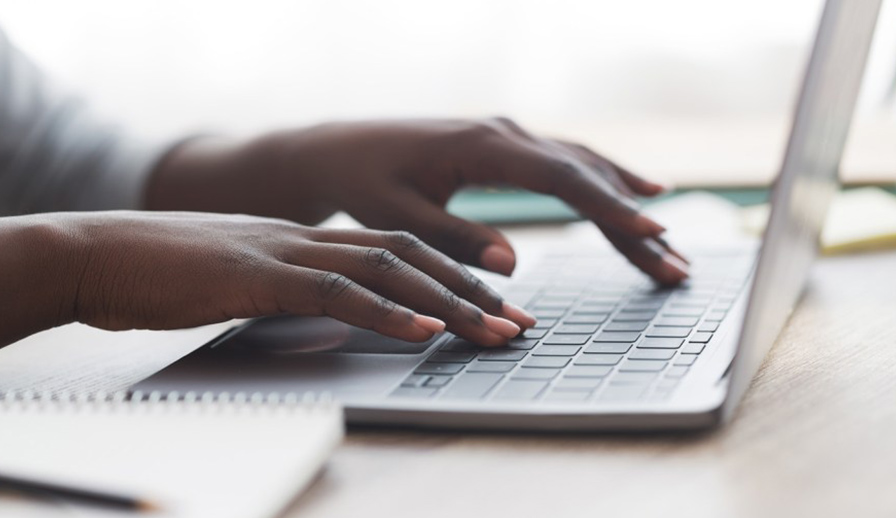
(39, 275)
(237, 176)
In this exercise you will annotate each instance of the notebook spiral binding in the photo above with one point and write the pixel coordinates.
(138, 400)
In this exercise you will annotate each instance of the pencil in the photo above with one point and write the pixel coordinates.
(87, 496)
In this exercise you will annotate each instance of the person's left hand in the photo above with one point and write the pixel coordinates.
(399, 175)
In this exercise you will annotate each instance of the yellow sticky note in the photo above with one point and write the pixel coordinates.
(859, 219)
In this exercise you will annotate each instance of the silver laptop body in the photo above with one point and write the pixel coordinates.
(613, 352)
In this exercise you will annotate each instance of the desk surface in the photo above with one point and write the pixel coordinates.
(814, 436)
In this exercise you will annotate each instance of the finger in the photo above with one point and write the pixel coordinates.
(665, 244)
(305, 291)
(436, 265)
(464, 241)
(636, 183)
(599, 167)
(650, 257)
(385, 274)
(542, 168)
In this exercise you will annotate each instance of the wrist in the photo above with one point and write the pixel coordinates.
(40, 259)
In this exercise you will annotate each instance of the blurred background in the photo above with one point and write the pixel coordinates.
(676, 90)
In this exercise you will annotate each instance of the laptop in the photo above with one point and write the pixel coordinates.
(611, 351)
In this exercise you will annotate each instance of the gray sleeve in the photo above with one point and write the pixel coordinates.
(54, 156)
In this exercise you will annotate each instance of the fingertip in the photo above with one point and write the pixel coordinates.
(498, 259)
(650, 227)
(519, 315)
(675, 270)
(500, 326)
(431, 324)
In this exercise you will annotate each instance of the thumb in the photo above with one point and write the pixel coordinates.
(464, 241)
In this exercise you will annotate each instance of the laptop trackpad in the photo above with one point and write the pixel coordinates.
(295, 335)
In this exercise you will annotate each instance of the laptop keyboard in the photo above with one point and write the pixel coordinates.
(604, 333)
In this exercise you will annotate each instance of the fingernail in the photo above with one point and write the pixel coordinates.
(518, 314)
(498, 259)
(501, 326)
(680, 266)
(433, 325)
(653, 228)
(661, 240)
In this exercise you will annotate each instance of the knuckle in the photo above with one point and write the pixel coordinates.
(332, 286)
(564, 174)
(381, 259)
(450, 301)
(404, 240)
(383, 308)
(507, 122)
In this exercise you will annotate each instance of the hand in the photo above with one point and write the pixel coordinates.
(125, 270)
(400, 175)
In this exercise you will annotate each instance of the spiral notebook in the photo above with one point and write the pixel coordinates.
(221, 456)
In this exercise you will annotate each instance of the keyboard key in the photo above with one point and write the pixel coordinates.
(546, 362)
(715, 316)
(645, 305)
(437, 381)
(700, 338)
(692, 349)
(567, 339)
(480, 366)
(592, 310)
(572, 329)
(523, 344)
(520, 390)
(547, 313)
(578, 384)
(676, 322)
(621, 393)
(598, 359)
(535, 333)
(535, 374)
(633, 378)
(557, 350)
(642, 366)
(683, 312)
(498, 355)
(589, 371)
(660, 343)
(669, 332)
(552, 304)
(459, 345)
(472, 385)
(676, 372)
(415, 380)
(636, 316)
(687, 359)
(626, 326)
(439, 368)
(451, 357)
(560, 396)
(605, 336)
(652, 354)
(594, 319)
(608, 348)
(708, 327)
(545, 323)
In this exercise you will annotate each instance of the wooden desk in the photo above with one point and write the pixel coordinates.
(816, 435)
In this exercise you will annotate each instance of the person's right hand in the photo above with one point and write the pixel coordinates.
(126, 270)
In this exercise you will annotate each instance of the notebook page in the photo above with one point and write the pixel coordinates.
(197, 459)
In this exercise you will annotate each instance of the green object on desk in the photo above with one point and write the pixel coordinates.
(516, 207)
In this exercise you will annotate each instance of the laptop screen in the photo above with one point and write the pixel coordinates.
(807, 181)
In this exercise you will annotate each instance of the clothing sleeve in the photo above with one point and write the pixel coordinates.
(54, 156)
